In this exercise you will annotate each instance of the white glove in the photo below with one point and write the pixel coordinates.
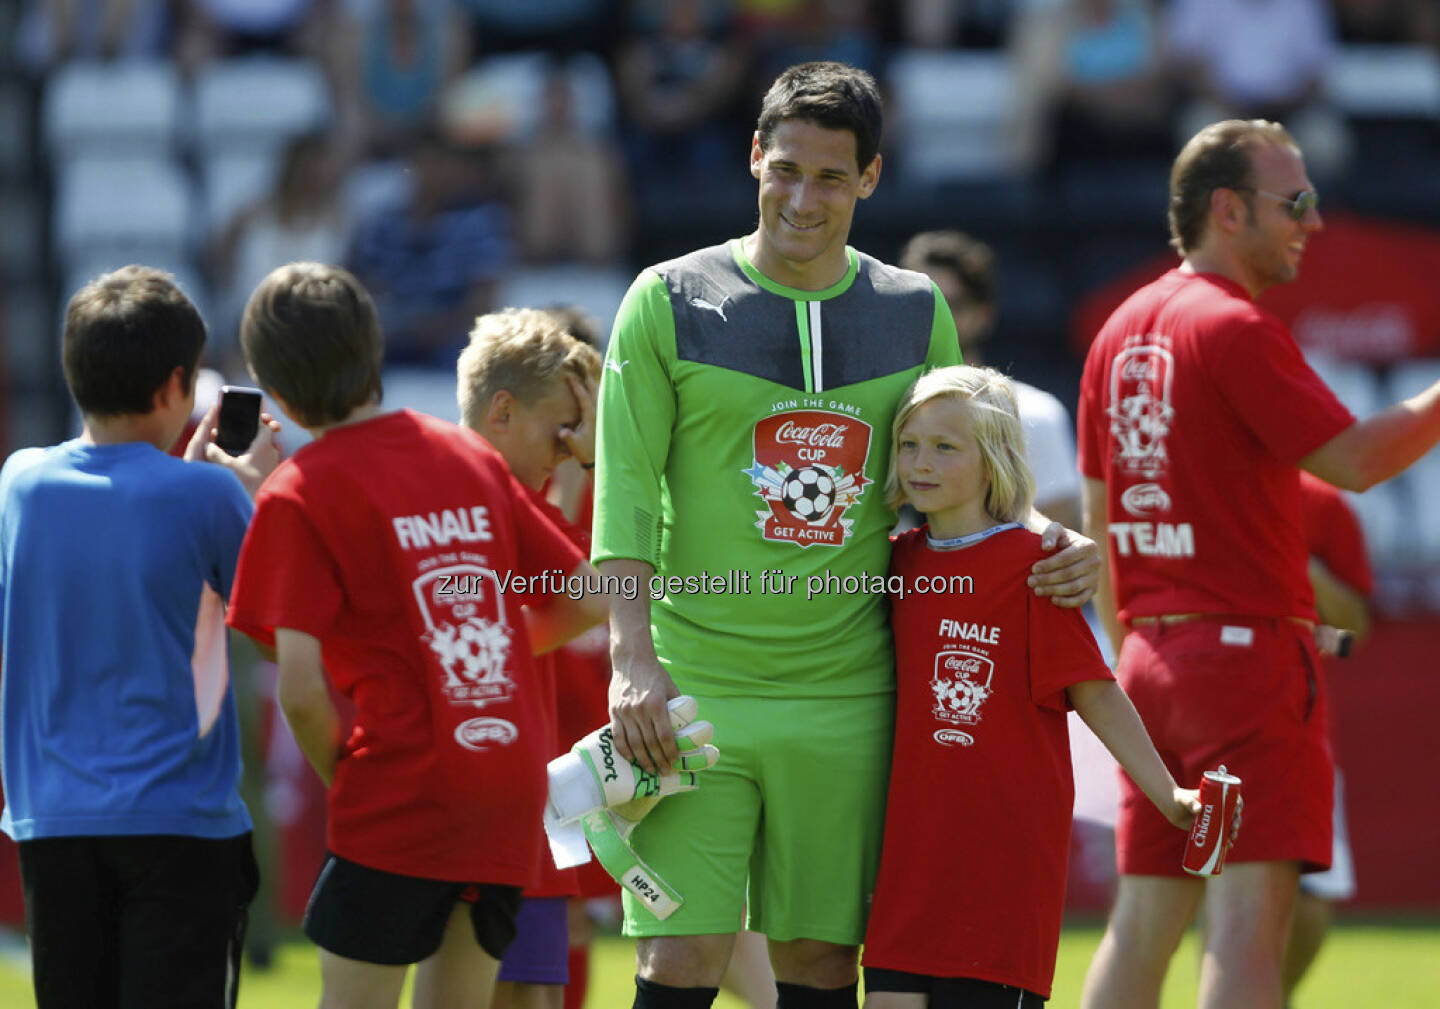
(610, 796)
(593, 776)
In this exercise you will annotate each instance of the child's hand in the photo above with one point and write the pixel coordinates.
(580, 440)
(259, 460)
(1184, 807)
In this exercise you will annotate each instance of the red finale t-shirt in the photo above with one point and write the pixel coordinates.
(1195, 407)
(556, 674)
(977, 829)
(394, 541)
(1333, 533)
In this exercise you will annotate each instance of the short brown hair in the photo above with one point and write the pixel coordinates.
(970, 259)
(125, 334)
(311, 338)
(833, 95)
(524, 351)
(1218, 157)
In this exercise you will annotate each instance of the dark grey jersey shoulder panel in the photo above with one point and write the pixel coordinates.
(881, 324)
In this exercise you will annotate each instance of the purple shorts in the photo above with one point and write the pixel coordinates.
(540, 953)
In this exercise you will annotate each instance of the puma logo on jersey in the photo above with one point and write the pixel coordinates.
(613, 365)
(709, 307)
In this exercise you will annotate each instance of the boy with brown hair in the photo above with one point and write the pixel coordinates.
(121, 745)
(394, 547)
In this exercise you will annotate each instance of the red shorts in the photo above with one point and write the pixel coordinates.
(1246, 693)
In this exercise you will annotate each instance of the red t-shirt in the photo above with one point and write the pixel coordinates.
(977, 830)
(1333, 533)
(556, 675)
(1195, 407)
(395, 541)
(584, 689)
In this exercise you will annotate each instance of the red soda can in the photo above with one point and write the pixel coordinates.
(1205, 848)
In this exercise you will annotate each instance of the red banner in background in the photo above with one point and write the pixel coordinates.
(1367, 291)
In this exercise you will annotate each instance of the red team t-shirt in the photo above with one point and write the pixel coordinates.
(977, 830)
(1333, 533)
(1190, 371)
(395, 541)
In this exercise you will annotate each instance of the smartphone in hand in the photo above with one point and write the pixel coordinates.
(239, 418)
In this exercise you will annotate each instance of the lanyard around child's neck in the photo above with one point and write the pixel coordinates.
(970, 539)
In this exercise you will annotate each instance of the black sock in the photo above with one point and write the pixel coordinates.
(799, 996)
(653, 995)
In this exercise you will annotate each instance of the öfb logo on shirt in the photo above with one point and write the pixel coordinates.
(479, 734)
(953, 737)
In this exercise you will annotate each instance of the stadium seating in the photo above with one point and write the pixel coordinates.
(126, 109)
(1386, 81)
(950, 110)
(135, 209)
(502, 96)
(427, 390)
(230, 181)
(597, 291)
(255, 104)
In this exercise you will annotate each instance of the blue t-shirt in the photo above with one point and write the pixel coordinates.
(115, 703)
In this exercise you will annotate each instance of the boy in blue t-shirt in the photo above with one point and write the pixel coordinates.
(121, 758)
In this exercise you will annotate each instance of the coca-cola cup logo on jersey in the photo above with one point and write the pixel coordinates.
(1140, 410)
(466, 632)
(809, 469)
(960, 685)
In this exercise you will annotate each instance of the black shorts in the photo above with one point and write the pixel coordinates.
(953, 992)
(145, 920)
(383, 917)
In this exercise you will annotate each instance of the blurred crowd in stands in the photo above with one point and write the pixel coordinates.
(462, 155)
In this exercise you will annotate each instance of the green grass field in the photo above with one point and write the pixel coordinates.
(1366, 963)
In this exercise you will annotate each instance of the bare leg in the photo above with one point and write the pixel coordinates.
(684, 961)
(1312, 919)
(355, 984)
(896, 1000)
(458, 975)
(813, 963)
(524, 995)
(1248, 911)
(1150, 916)
(750, 975)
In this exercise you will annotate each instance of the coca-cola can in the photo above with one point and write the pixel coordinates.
(1205, 848)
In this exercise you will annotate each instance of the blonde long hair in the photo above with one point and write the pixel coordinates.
(995, 422)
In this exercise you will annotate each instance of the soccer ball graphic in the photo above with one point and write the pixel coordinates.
(808, 493)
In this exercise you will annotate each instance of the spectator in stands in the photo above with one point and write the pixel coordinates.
(1388, 22)
(1091, 81)
(303, 218)
(53, 31)
(562, 26)
(839, 30)
(678, 79)
(1258, 59)
(431, 262)
(570, 186)
(943, 24)
(399, 55)
(211, 29)
(964, 271)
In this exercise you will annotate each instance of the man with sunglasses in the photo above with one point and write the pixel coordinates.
(1196, 413)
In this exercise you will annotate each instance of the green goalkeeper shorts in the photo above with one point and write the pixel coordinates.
(790, 819)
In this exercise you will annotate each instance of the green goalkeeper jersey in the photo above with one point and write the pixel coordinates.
(744, 440)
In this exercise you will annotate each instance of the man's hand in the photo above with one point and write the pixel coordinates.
(593, 776)
(639, 718)
(259, 460)
(1070, 577)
